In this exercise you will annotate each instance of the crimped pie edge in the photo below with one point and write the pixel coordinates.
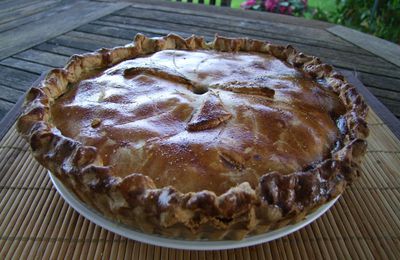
(136, 201)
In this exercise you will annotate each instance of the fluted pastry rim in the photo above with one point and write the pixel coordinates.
(136, 201)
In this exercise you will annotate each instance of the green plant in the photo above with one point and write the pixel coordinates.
(318, 13)
(378, 17)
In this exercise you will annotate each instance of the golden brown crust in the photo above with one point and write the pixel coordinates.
(242, 210)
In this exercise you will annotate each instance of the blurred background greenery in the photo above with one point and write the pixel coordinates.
(378, 17)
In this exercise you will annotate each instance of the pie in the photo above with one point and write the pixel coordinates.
(198, 140)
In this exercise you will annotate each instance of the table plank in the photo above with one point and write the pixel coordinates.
(379, 81)
(137, 28)
(222, 13)
(106, 40)
(341, 58)
(58, 49)
(41, 57)
(12, 5)
(19, 16)
(82, 43)
(385, 49)
(112, 31)
(15, 78)
(276, 29)
(24, 37)
(387, 117)
(11, 115)
(25, 65)
(5, 106)
(10, 94)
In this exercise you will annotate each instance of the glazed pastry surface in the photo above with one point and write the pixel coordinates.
(201, 120)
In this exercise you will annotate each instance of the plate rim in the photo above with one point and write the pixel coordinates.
(157, 240)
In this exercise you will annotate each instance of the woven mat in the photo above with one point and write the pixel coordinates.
(35, 221)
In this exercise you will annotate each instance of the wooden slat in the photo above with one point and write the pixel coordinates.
(388, 94)
(10, 94)
(222, 13)
(24, 37)
(270, 29)
(393, 105)
(41, 57)
(384, 114)
(336, 57)
(124, 31)
(24, 15)
(378, 81)
(15, 78)
(5, 106)
(385, 88)
(139, 28)
(30, 18)
(102, 29)
(385, 49)
(70, 40)
(8, 120)
(25, 65)
(58, 49)
(106, 40)
(12, 5)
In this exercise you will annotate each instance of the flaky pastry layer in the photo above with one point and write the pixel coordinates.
(242, 210)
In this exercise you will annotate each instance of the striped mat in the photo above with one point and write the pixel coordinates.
(37, 223)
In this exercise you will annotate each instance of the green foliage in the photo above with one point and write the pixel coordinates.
(318, 13)
(378, 17)
(381, 18)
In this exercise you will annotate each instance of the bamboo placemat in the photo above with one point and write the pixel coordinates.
(36, 223)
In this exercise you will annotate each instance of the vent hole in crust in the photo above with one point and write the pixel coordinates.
(200, 89)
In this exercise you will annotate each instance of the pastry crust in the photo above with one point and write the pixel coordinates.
(135, 200)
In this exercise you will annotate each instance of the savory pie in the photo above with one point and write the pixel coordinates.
(191, 139)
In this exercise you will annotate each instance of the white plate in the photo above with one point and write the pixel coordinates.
(156, 240)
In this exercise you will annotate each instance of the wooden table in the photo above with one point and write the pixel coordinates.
(38, 35)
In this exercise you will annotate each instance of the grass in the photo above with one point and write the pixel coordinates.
(236, 3)
(325, 5)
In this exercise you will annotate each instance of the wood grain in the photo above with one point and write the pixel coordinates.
(5, 106)
(24, 37)
(338, 57)
(17, 79)
(25, 65)
(11, 115)
(58, 49)
(19, 16)
(385, 49)
(224, 12)
(8, 6)
(10, 94)
(214, 20)
(42, 57)
(383, 113)
(156, 18)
